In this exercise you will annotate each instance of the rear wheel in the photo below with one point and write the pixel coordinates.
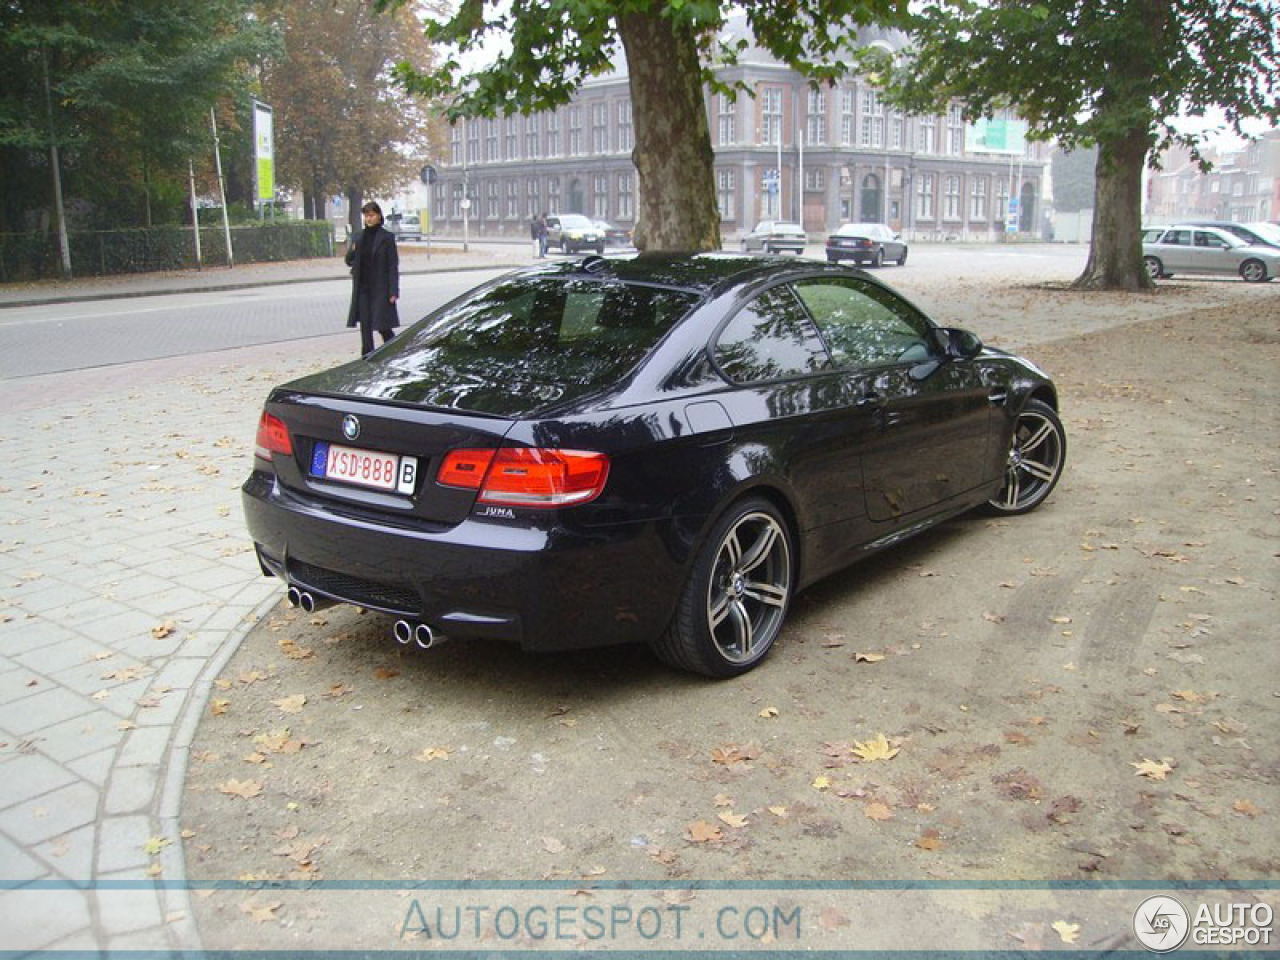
(877, 260)
(1254, 271)
(1037, 452)
(733, 606)
(1155, 269)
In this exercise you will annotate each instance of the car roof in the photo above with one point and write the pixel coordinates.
(700, 273)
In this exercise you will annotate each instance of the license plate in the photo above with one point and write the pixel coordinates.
(365, 468)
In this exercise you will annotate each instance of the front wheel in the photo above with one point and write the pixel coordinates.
(1254, 271)
(902, 260)
(1037, 452)
(1155, 269)
(739, 588)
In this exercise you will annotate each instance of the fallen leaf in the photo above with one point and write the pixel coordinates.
(385, 673)
(261, 912)
(431, 753)
(877, 811)
(821, 782)
(1068, 932)
(732, 819)
(245, 789)
(778, 811)
(219, 707)
(702, 832)
(769, 712)
(732, 753)
(552, 845)
(292, 704)
(723, 800)
(868, 657)
(1152, 770)
(877, 749)
(1246, 807)
(832, 919)
(1190, 696)
(929, 840)
(163, 630)
(1059, 619)
(155, 844)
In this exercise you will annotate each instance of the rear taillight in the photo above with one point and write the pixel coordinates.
(273, 437)
(527, 476)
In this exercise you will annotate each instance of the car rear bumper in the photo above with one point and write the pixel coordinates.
(541, 585)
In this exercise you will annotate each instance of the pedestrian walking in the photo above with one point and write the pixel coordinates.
(375, 280)
(542, 236)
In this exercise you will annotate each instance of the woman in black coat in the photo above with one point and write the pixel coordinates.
(375, 280)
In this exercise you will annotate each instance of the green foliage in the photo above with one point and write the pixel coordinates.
(1082, 71)
(131, 86)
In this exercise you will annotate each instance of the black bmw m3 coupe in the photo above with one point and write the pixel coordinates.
(656, 449)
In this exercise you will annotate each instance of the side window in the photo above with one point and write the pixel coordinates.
(1152, 236)
(865, 325)
(771, 338)
(1178, 238)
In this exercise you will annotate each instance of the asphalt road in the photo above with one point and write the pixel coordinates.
(76, 336)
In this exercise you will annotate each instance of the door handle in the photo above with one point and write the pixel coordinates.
(998, 396)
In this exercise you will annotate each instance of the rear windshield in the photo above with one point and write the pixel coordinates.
(578, 332)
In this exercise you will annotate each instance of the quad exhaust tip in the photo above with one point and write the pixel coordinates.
(307, 601)
(407, 632)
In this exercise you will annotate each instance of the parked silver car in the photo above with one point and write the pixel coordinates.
(774, 236)
(866, 243)
(1188, 249)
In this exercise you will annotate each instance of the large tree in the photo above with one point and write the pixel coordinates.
(1116, 74)
(342, 124)
(671, 47)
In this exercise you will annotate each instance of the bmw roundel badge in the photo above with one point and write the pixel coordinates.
(350, 427)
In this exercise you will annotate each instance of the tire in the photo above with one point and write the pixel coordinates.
(902, 260)
(877, 261)
(768, 249)
(1037, 453)
(1155, 269)
(737, 595)
(600, 248)
(1254, 271)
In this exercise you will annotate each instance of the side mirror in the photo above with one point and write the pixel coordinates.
(956, 344)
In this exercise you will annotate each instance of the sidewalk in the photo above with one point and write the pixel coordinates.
(414, 259)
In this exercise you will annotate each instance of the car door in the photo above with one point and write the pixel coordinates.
(931, 419)
(1176, 252)
(1213, 253)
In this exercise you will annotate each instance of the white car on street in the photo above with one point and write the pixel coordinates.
(1184, 248)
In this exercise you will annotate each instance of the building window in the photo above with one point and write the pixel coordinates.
(511, 140)
(626, 135)
(1001, 210)
(872, 119)
(955, 130)
(897, 130)
(553, 134)
(771, 116)
(816, 129)
(455, 145)
(491, 140)
(953, 197)
(473, 141)
(928, 134)
(626, 206)
(553, 195)
(491, 200)
(456, 205)
(978, 199)
(600, 128)
(847, 101)
(531, 151)
(815, 178)
(726, 189)
(924, 197)
(726, 120)
(513, 199)
(600, 197)
(531, 197)
(575, 131)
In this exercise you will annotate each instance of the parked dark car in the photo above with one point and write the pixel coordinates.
(776, 236)
(613, 236)
(572, 232)
(866, 243)
(652, 448)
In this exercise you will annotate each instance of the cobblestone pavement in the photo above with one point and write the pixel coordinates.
(126, 582)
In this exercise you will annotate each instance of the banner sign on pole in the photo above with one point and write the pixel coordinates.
(264, 154)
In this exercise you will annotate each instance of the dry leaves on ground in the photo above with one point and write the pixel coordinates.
(1153, 770)
(877, 749)
(246, 789)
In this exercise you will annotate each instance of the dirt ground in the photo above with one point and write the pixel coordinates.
(1089, 692)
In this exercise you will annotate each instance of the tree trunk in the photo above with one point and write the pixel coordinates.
(355, 200)
(1115, 253)
(676, 207)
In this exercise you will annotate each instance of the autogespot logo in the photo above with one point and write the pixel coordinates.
(1161, 924)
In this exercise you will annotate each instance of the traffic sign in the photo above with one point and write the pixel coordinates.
(429, 175)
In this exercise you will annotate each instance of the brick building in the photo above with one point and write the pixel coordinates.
(1243, 185)
(844, 155)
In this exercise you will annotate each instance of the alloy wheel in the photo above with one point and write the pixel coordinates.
(1035, 460)
(749, 588)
